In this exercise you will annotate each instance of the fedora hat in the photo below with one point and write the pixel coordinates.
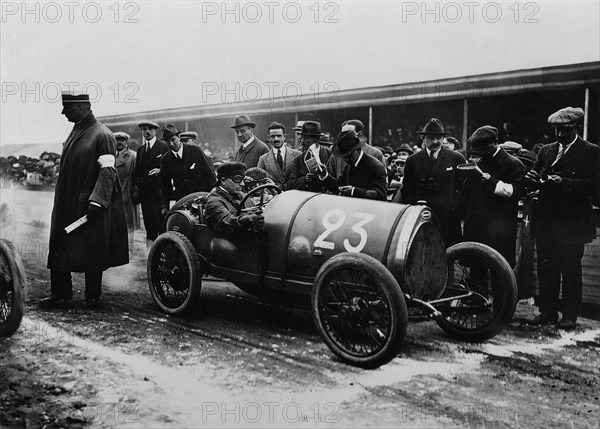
(433, 127)
(242, 120)
(169, 131)
(311, 129)
(346, 143)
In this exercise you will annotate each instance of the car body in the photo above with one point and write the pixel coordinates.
(359, 261)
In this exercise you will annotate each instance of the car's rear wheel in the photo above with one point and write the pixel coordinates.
(12, 289)
(359, 310)
(488, 288)
(174, 273)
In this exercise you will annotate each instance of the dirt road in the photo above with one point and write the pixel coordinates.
(239, 362)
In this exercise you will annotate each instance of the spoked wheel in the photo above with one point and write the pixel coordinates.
(481, 292)
(174, 273)
(359, 310)
(13, 291)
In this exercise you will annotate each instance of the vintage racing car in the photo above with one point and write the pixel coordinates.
(360, 262)
(13, 288)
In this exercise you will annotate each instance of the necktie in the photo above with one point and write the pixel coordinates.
(279, 159)
(432, 157)
(560, 153)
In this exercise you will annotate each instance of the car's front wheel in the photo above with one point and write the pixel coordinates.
(359, 310)
(13, 292)
(174, 273)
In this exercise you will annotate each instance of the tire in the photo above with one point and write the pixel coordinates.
(174, 273)
(470, 319)
(359, 310)
(13, 289)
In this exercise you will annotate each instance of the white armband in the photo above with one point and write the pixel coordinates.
(503, 189)
(106, 161)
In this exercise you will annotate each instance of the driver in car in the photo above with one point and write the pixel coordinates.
(224, 200)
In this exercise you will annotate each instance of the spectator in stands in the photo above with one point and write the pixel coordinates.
(146, 174)
(251, 147)
(567, 174)
(125, 163)
(431, 177)
(223, 202)
(277, 161)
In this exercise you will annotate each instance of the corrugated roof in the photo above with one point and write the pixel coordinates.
(33, 150)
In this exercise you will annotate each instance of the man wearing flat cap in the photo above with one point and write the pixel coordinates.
(125, 163)
(567, 174)
(87, 186)
(251, 148)
(303, 173)
(431, 177)
(363, 177)
(184, 169)
(337, 165)
(490, 200)
(146, 173)
(224, 200)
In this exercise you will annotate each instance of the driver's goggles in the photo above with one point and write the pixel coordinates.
(237, 178)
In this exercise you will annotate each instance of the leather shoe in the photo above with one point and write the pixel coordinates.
(567, 324)
(90, 303)
(543, 319)
(55, 301)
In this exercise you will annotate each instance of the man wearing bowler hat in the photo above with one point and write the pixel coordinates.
(146, 173)
(303, 173)
(491, 199)
(183, 170)
(88, 185)
(363, 177)
(251, 148)
(336, 165)
(431, 177)
(567, 174)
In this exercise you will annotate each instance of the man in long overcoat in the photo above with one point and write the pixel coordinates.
(125, 164)
(431, 176)
(87, 185)
(567, 174)
(492, 199)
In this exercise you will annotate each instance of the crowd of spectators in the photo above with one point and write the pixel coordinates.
(42, 171)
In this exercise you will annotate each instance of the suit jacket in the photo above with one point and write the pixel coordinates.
(125, 163)
(565, 208)
(368, 178)
(438, 185)
(268, 162)
(178, 178)
(336, 166)
(492, 219)
(144, 162)
(296, 174)
(250, 155)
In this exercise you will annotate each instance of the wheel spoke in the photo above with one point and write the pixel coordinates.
(171, 275)
(7, 294)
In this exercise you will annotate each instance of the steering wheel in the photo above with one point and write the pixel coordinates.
(262, 201)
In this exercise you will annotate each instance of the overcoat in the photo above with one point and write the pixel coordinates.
(438, 185)
(180, 177)
(102, 242)
(125, 164)
(368, 179)
(565, 208)
(489, 218)
(250, 155)
(296, 174)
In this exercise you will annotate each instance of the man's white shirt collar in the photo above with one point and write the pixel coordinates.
(179, 152)
(151, 142)
(245, 145)
(282, 148)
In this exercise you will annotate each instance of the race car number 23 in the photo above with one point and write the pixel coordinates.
(334, 219)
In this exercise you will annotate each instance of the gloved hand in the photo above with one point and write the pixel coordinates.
(256, 220)
(259, 222)
(94, 211)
